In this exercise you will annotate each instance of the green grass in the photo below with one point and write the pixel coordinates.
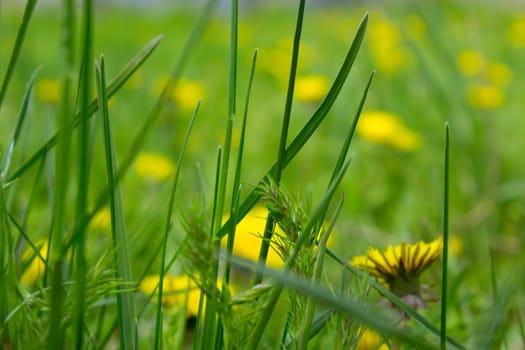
(250, 140)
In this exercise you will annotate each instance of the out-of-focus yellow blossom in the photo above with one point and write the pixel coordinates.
(455, 245)
(516, 33)
(386, 46)
(485, 96)
(101, 220)
(498, 73)
(135, 81)
(470, 62)
(248, 237)
(37, 267)
(48, 90)
(154, 165)
(400, 267)
(311, 88)
(370, 340)
(417, 29)
(176, 291)
(186, 93)
(387, 128)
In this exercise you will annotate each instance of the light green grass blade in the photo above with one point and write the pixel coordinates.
(125, 298)
(313, 123)
(423, 322)
(112, 89)
(28, 12)
(279, 163)
(373, 317)
(275, 292)
(444, 284)
(167, 229)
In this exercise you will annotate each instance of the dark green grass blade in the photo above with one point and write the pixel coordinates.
(318, 324)
(18, 129)
(426, 324)
(28, 12)
(125, 298)
(313, 123)
(167, 229)
(112, 88)
(279, 163)
(374, 318)
(275, 292)
(444, 284)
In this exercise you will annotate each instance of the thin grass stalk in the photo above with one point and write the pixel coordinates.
(238, 170)
(125, 298)
(304, 334)
(158, 324)
(279, 164)
(444, 285)
(310, 127)
(13, 59)
(83, 178)
(275, 292)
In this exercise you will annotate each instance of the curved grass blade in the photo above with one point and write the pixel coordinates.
(112, 88)
(427, 325)
(28, 12)
(313, 123)
(444, 284)
(125, 298)
(167, 229)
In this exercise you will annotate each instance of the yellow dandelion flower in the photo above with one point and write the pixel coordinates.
(485, 96)
(498, 73)
(311, 88)
(400, 267)
(248, 237)
(154, 166)
(470, 62)
(48, 90)
(370, 340)
(386, 128)
(177, 292)
(185, 94)
(516, 32)
(386, 47)
(37, 267)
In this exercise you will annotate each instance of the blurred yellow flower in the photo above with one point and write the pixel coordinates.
(386, 46)
(516, 32)
(455, 245)
(417, 29)
(177, 292)
(400, 267)
(370, 340)
(37, 267)
(101, 220)
(498, 73)
(48, 90)
(470, 62)
(154, 165)
(386, 128)
(248, 237)
(186, 93)
(485, 96)
(311, 88)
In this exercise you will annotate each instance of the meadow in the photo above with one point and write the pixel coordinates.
(287, 175)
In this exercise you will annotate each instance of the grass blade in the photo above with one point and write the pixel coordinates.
(444, 285)
(313, 123)
(28, 12)
(167, 229)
